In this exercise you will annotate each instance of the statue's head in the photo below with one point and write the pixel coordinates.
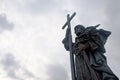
(79, 29)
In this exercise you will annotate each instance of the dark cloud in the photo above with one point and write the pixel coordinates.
(57, 72)
(12, 66)
(4, 23)
(9, 61)
(29, 74)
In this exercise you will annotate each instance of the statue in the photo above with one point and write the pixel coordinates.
(88, 49)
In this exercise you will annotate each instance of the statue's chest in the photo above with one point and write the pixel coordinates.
(81, 44)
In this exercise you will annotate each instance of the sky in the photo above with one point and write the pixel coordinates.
(31, 35)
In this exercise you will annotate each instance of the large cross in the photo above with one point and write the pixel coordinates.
(70, 45)
(68, 21)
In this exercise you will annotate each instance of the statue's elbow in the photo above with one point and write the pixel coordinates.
(66, 45)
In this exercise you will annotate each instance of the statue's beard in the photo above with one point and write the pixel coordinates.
(78, 33)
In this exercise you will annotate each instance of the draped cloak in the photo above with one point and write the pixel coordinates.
(91, 64)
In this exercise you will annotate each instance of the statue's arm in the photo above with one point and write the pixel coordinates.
(66, 43)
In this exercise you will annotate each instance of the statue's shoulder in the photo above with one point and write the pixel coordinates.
(90, 29)
(104, 32)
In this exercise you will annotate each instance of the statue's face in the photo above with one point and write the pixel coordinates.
(79, 29)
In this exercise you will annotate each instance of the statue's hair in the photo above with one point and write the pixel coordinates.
(81, 26)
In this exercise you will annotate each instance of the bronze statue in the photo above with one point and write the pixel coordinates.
(88, 48)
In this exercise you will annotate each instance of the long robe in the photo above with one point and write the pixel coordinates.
(91, 63)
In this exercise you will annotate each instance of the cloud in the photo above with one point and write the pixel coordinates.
(14, 70)
(41, 6)
(57, 72)
(113, 14)
(40, 35)
(4, 23)
(10, 65)
(34, 6)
